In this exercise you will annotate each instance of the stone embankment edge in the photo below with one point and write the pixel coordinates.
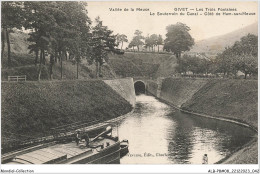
(208, 116)
(216, 118)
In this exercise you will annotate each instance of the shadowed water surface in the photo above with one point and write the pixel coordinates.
(159, 134)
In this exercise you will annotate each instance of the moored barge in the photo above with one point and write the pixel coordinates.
(102, 149)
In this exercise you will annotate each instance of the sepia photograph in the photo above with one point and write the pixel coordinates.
(153, 83)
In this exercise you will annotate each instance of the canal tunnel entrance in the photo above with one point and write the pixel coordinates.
(139, 87)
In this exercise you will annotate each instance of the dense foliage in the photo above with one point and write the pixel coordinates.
(58, 30)
(11, 17)
(103, 41)
(62, 30)
(137, 40)
(120, 39)
(178, 39)
(242, 56)
(194, 64)
(152, 41)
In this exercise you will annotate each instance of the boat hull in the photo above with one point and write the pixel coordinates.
(108, 155)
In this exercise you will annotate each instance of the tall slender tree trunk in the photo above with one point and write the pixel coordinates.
(40, 66)
(55, 56)
(178, 56)
(245, 75)
(100, 71)
(36, 57)
(8, 48)
(66, 55)
(158, 48)
(60, 56)
(122, 45)
(3, 43)
(43, 58)
(77, 70)
(97, 69)
(51, 66)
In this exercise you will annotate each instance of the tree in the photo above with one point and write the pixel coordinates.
(84, 45)
(12, 17)
(246, 53)
(39, 18)
(72, 32)
(137, 39)
(148, 42)
(247, 64)
(154, 40)
(247, 45)
(178, 39)
(159, 41)
(103, 42)
(121, 38)
(195, 64)
(183, 65)
(76, 36)
(225, 61)
(242, 56)
(57, 28)
(132, 45)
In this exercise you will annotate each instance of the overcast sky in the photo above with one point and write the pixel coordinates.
(202, 27)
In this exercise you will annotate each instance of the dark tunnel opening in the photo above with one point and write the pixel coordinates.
(139, 88)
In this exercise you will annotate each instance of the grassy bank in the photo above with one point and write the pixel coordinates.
(31, 72)
(133, 67)
(234, 99)
(17, 60)
(69, 71)
(179, 90)
(31, 109)
(143, 64)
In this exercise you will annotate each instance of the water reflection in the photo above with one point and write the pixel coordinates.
(159, 134)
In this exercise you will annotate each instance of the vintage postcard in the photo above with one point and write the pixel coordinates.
(152, 86)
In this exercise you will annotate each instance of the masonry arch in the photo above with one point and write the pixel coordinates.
(140, 87)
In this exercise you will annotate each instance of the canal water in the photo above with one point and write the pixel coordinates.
(160, 134)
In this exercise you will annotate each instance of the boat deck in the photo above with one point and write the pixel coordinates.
(61, 153)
